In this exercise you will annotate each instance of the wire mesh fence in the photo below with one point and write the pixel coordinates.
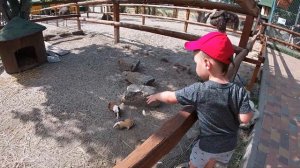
(285, 13)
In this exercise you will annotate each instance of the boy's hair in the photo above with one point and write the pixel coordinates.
(224, 67)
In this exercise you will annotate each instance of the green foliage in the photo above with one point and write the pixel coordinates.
(13, 8)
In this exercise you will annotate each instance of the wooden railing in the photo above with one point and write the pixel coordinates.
(170, 133)
(281, 41)
(244, 7)
(162, 141)
(186, 21)
(260, 57)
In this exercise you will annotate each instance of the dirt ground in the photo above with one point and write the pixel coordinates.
(56, 115)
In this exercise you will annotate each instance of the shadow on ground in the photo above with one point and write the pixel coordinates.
(73, 111)
(65, 103)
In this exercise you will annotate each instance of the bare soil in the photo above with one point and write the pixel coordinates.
(56, 115)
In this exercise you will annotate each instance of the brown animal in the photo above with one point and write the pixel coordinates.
(112, 106)
(127, 123)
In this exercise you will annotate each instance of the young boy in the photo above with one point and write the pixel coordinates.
(220, 104)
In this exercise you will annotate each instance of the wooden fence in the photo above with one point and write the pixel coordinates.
(170, 133)
(265, 25)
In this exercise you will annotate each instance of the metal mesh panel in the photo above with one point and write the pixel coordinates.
(286, 14)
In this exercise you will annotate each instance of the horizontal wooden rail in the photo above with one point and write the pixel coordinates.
(169, 7)
(281, 28)
(55, 17)
(177, 19)
(162, 141)
(242, 6)
(163, 6)
(51, 2)
(205, 4)
(56, 6)
(252, 61)
(170, 33)
(283, 42)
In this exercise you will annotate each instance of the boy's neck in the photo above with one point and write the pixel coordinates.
(222, 79)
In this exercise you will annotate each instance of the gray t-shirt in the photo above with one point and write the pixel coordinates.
(218, 107)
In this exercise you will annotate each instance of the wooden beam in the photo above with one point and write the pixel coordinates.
(284, 42)
(249, 5)
(252, 61)
(78, 20)
(143, 12)
(237, 62)
(191, 3)
(177, 19)
(187, 17)
(246, 31)
(281, 28)
(53, 2)
(55, 17)
(201, 4)
(160, 31)
(162, 141)
(116, 11)
(170, 33)
(245, 6)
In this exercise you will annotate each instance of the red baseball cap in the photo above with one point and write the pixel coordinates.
(215, 44)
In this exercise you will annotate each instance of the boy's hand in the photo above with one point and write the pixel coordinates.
(152, 98)
(166, 97)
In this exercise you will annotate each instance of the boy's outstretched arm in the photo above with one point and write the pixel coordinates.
(165, 97)
(246, 118)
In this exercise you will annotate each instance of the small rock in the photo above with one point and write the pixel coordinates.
(138, 78)
(79, 32)
(128, 64)
(137, 94)
(53, 58)
(164, 60)
(65, 34)
(48, 37)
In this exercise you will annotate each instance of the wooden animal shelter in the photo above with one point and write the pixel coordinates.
(22, 45)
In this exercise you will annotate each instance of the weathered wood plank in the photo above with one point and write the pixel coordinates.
(162, 141)
(241, 8)
(237, 62)
(116, 11)
(55, 17)
(246, 31)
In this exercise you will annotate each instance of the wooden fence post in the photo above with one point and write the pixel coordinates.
(143, 16)
(116, 8)
(186, 19)
(246, 32)
(78, 20)
(87, 8)
(175, 13)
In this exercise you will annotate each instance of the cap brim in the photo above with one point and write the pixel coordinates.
(192, 45)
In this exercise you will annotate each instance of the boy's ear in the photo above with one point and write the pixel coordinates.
(207, 63)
